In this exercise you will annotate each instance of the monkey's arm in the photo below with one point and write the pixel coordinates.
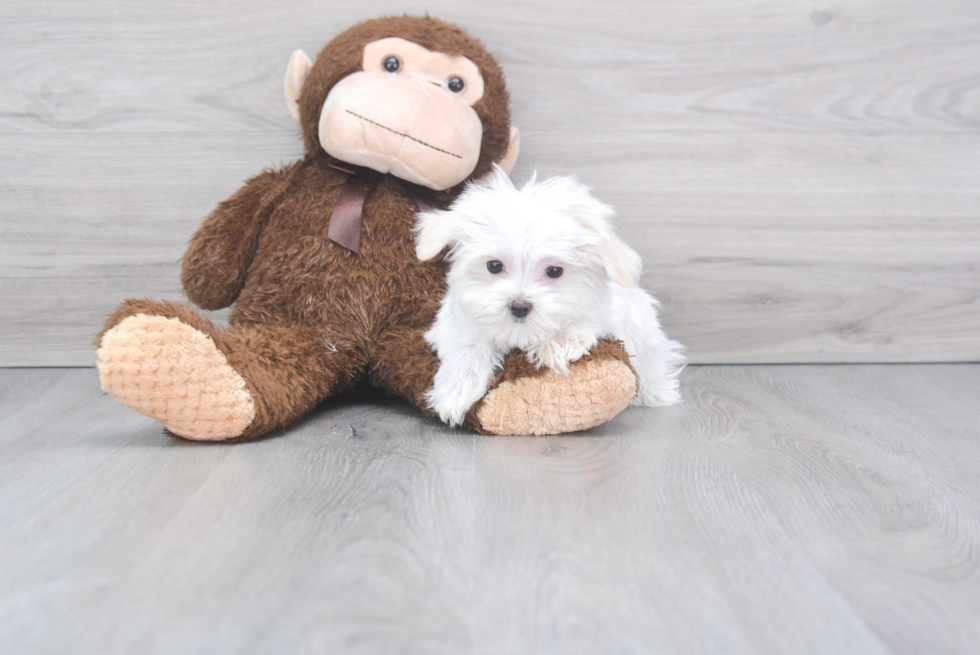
(221, 251)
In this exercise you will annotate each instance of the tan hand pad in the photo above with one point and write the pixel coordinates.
(554, 403)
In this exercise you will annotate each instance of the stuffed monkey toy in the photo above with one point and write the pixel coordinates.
(318, 258)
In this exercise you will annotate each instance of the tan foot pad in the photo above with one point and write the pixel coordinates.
(554, 403)
(164, 368)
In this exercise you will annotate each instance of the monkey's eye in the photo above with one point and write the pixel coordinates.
(455, 85)
(495, 266)
(554, 271)
(391, 64)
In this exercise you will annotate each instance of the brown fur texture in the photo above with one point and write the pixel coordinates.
(311, 318)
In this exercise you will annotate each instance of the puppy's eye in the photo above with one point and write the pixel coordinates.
(554, 271)
(494, 266)
(455, 85)
(391, 64)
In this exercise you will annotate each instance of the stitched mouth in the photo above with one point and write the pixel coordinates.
(407, 136)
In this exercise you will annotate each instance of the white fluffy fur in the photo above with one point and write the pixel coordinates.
(552, 223)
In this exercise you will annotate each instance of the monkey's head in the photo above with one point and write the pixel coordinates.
(412, 96)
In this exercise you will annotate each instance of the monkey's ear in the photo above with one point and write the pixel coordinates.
(299, 67)
(434, 231)
(509, 160)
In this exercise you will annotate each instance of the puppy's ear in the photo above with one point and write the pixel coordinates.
(437, 230)
(434, 231)
(620, 263)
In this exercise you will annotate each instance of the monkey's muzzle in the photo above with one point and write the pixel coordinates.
(414, 130)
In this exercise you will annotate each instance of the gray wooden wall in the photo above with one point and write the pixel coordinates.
(802, 177)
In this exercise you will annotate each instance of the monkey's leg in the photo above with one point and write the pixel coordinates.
(522, 399)
(404, 362)
(204, 383)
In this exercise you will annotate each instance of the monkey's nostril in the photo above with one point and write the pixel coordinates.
(520, 308)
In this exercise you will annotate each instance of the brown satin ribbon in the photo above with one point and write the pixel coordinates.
(345, 221)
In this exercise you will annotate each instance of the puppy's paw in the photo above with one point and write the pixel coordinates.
(561, 351)
(550, 354)
(452, 395)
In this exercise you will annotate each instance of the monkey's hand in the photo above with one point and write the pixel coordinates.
(525, 399)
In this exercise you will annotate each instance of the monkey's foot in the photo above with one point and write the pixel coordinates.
(524, 400)
(166, 369)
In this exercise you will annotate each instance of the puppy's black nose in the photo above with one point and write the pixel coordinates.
(520, 308)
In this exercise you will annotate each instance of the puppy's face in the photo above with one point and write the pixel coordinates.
(522, 280)
(527, 262)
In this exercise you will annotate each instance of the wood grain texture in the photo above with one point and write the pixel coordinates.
(800, 177)
(699, 65)
(780, 509)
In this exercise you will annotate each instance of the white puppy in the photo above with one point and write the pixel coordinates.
(540, 269)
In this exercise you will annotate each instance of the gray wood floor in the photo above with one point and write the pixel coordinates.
(781, 509)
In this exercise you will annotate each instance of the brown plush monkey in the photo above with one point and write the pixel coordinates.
(319, 257)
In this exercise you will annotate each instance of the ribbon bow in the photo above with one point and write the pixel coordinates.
(345, 221)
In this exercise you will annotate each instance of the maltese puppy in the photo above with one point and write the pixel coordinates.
(540, 269)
